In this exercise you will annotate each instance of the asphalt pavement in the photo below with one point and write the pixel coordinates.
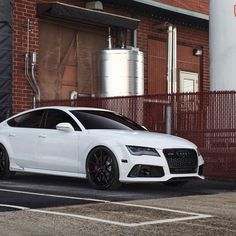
(49, 205)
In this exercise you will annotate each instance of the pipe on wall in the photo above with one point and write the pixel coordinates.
(135, 39)
(30, 65)
(172, 60)
(169, 58)
(171, 55)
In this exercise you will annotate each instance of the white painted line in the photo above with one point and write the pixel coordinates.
(200, 216)
(14, 207)
(55, 196)
(193, 215)
(170, 220)
(158, 208)
(81, 217)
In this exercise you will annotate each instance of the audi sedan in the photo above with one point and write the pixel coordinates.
(103, 146)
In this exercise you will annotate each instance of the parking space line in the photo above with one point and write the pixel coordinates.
(159, 208)
(200, 216)
(52, 195)
(192, 215)
(14, 207)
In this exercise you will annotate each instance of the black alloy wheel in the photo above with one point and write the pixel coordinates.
(4, 164)
(102, 169)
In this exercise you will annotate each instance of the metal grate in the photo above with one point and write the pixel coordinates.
(181, 161)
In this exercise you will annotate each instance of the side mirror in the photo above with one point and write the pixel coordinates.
(66, 127)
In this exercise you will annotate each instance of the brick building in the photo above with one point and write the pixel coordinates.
(67, 35)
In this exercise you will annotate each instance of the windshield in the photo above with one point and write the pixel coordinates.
(92, 119)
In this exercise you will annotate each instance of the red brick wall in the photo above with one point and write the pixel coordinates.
(22, 11)
(186, 35)
(193, 5)
(26, 9)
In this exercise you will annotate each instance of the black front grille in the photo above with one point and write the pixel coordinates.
(181, 161)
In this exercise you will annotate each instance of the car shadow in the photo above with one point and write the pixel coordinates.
(80, 187)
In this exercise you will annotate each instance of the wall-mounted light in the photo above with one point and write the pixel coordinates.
(197, 52)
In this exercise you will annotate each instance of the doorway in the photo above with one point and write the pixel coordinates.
(188, 82)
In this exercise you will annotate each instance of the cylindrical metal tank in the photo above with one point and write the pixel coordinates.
(223, 45)
(121, 73)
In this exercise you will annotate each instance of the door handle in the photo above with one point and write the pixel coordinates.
(42, 136)
(12, 135)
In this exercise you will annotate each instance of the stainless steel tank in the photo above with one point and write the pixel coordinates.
(121, 73)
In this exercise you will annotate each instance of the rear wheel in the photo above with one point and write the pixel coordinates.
(4, 164)
(102, 169)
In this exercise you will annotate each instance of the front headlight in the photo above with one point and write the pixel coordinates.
(139, 151)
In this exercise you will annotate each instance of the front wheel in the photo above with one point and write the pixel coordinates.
(4, 164)
(102, 169)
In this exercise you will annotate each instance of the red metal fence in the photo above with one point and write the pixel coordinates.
(207, 119)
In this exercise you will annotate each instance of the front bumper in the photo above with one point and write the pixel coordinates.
(155, 169)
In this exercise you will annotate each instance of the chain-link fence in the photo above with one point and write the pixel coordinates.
(208, 119)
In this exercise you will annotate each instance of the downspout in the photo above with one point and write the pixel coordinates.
(135, 39)
(174, 62)
(31, 77)
(33, 67)
(109, 38)
(171, 69)
(170, 59)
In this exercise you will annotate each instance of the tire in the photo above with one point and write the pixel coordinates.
(5, 172)
(102, 169)
(176, 183)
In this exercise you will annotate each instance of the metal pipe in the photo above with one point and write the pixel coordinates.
(135, 39)
(27, 69)
(35, 85)
(34, 102)
(28, 35)
(31, 77)
(109, 38)
(174, 62)
(170, 60)
(169, 119)
(73, 95)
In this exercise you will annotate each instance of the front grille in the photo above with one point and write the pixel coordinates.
(181, 161)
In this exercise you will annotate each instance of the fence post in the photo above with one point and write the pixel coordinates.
(168, 119)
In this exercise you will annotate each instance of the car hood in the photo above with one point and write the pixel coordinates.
(143, 138)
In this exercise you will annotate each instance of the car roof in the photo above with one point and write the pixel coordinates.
(62, 108)
(68, 108)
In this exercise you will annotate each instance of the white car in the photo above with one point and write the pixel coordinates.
(106, 148)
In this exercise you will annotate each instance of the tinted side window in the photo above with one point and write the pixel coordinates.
(105, 120)
(29, 120)
(54, 117)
